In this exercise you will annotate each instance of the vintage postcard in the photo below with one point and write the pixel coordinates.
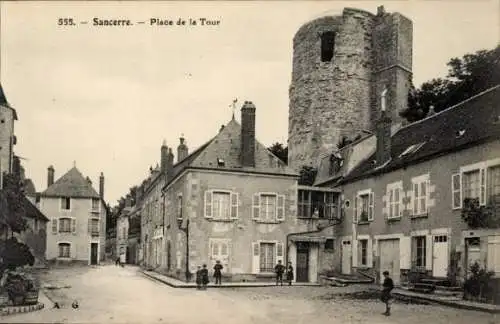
(250, 162)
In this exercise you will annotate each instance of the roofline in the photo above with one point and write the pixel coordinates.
(426, 158)
(74, 197)
(449, 108)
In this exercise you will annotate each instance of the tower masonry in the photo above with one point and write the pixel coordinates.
(341, 64)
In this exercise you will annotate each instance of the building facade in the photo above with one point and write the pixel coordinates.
(340, 63)
(77, 214)
(405, 193)
(8, 116)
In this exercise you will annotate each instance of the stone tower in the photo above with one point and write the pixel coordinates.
(7, 139)
(341, 64)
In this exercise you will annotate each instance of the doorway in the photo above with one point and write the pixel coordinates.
(440, 256)
(302, 262)
(346, 257)
(93, 253)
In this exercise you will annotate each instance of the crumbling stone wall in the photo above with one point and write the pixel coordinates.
(338, 98)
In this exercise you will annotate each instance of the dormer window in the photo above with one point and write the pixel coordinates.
(327, 46)
(412, 149)
(220, 162)
(460, 133)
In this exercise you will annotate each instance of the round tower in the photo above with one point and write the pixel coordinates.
(332, 92)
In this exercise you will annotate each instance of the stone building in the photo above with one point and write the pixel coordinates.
(340, 63)
(7, 138)
(404, 192)
(77, 216)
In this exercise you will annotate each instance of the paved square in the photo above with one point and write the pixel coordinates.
(109, 294)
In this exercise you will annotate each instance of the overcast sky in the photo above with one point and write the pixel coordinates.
(106, 97)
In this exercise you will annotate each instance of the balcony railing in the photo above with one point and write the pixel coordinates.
(319, 210)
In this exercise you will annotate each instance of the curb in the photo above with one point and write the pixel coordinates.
(9, 310)
(450, 303)
(221, 286)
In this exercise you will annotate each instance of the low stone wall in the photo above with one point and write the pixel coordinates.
(8, 310)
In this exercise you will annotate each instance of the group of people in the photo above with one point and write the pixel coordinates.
(280, 269)
(202, 275)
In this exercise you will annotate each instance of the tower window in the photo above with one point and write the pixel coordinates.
(327, 46)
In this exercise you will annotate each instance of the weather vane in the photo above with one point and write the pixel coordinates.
(233, 105)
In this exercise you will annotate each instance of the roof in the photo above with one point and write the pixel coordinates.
(5, 103)
(31, 211)
(226, 145)
(471, 122)
(71, 184)
(29, 187)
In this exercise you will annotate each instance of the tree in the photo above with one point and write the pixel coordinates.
(280, 151)
(307, 175)
(467, 76)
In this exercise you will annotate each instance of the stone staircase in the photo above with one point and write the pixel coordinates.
(436, 286)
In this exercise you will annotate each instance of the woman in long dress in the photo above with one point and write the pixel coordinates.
(289, 273)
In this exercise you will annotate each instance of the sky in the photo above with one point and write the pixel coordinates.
(105, 97)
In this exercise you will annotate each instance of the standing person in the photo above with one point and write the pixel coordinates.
(279, 269)
(204, 276)
(198, 278)
(217, 272)
(289, 273)
(386, 297)
(117, 262)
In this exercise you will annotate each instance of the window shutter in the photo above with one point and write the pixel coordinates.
(234, 205)
(405, 252)
(280, 212)
(73, 225)
(482, 190)
(427, 195)
(54, 225)
(208, 204)
(256, 206)
(90, 226)
(428, 252)
(456, 190)
(354, 251)
(369, 253)
(371, 208)
(355, 210)
(415, 199)
(255, 257)
(279, 252)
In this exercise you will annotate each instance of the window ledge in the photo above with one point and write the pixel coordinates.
(364, 222)
(268, 222)
(393, 219)
(265, 274)
(419, 216)
(95, 211)
(220, 220)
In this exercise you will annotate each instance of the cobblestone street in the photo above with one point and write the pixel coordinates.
(108, 294)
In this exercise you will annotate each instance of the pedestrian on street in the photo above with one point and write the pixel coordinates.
(198, 278)
(117, 262)
(204, 277)
(289, 273)
(279, 269)
(386, 296)
(217, 272)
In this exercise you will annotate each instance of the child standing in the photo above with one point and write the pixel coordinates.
(217, 272)
(289, 274)
(279, 269)
(386, 297)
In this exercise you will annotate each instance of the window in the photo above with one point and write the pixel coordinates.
(420, 195)
(412, 149)
(267, 257)
(330, 245)
(494, 185)
(64, 250)
(420, 251)
(394, 203)
(364, 206)
(221, 205)
(94, 226)
(95, 204)
(35, 225)
(65, 225)
(66, 203)
(471, 184)
(363, 252)
(327, 46)
(268, 207)
(316, 204)
(179, 207)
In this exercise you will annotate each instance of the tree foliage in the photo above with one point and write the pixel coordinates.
(12, 209)
(477, 216)
(280, 150)
(467, 76)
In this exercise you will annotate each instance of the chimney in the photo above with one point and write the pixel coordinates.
(248, 134)
(50, 176)
(380, 11)
(163, 160)
(182, 149)
(221, 128)
(170, 161)
(101, 186)
(89, 181)
(383, 131)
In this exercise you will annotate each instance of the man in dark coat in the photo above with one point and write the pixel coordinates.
(386, 297)
(217, 272)
(279, 269)
(204, 276)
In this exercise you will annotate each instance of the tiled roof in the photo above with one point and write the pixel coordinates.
(5, 103)
(31, 211)
(71, 184)
(29, 187)
(470, 122)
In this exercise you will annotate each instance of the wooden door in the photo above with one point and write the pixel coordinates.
(302, 262)
(93, 253)
(219, 251)
(389, 259)
(440, 257)
(346, 256)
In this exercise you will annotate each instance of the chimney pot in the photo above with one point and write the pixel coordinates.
(101, 186)
(182, 149)
(50, 176)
